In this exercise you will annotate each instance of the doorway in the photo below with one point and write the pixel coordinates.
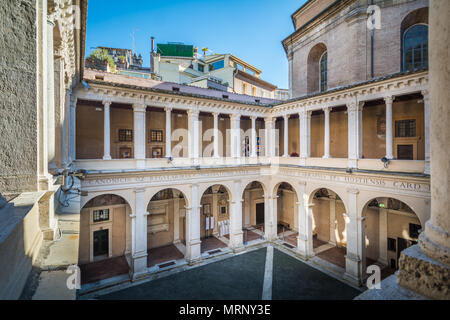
(260, 213)
(101, 243)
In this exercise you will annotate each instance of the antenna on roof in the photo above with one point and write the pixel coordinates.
(133, 38)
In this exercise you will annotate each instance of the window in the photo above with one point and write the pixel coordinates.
(244, 88)
(405, 152)
(323, 72)
(414, 230)
(254, 91)
(125, 135)
(239, 67)
(201, 68)
(250, 72)
(392, 245)
(415, 48)
(405, 128)
(216, 65)
(101, 215)
(156, 136)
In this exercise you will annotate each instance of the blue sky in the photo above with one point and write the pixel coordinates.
(250, 29)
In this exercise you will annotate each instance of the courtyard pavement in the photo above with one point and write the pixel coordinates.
(242, 277)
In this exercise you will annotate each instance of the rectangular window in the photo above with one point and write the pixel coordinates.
(125, 135)
(414, 230)
(217, 65)
(405, 128)
(239, 67)
(201, 68)
(392, 245)
(254, 91)
(244, 88)
(250, 72)
(156, 136)
(101, 215)
(405, 152)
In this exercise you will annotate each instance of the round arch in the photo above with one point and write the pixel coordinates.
(313, 67)
(339, 194)
(125, 194)
(184, 190)
(418, 205)
(227, 185)
(154, 192)
(247, 182)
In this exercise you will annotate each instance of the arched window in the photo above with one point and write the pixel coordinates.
(415, 48)
(323, 77)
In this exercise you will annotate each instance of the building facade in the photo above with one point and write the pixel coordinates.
(159, 174)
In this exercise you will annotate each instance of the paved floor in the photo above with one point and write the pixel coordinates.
(242, 277)
(104, 269)
(163, 254)
(211, 243)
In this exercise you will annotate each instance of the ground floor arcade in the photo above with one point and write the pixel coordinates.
(148, 229)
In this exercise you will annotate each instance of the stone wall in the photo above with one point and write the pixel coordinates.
(18, 99)
(347, 39)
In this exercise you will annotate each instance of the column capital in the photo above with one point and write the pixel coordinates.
(139, 190)
(139, 107)
(305, 114)
(327, 110)
(253, 118)
(389, 99)
(215, 114)
(235, 117)
(286, 117)
(355, 106)
(193, 113)
(302, 183)
(425, 94)
(106, 102)
(353, 191)
(168, 109)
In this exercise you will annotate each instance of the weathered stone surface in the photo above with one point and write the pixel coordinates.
(18, 98)
(424, 275)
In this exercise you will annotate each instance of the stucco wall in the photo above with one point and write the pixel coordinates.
(18, 98)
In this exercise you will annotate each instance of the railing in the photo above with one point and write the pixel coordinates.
(409, 166)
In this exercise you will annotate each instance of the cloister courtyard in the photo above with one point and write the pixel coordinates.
(254, 274)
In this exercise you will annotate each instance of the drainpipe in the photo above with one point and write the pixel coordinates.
(372, 43)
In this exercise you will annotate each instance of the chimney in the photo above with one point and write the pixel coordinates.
(151, 54)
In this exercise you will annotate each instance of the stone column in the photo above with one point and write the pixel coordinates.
(305, 218)
(383, 220)
(73, 129)
(106, 130)
(236, 234)
(435, 240)
(168, 132)
(253, 152)
(305, 134)
(354, 133)
(427, 118)
(139, 236)
(50, 96)
(268, 221)
(354, 259)
(270, 137)
(216, 135)
(389, 128)
(333, 219)
(139, 111)
(193, 138)
(176, 216)
(193, 242)
(215, 210)
(247, 208)
(290, 57)
(326, 152)
(235, 120)
(286, 136)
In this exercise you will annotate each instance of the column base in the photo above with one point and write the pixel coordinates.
(236, 241)
(432, 248)
(352, 269)
(303, 161)
(107, 158)
(427, 167)
(140, 163)
(352, 163)
(138, 268)
(303, 248)
(424, 275)
(193, 252)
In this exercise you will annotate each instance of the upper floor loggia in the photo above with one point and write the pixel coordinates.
(378, 125)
